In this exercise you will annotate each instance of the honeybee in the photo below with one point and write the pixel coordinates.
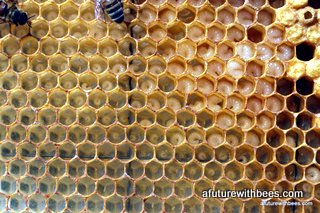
(113, 8)
(11, 14)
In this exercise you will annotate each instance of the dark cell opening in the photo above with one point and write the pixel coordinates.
(304, 156)
(255, 34)
(304, 86)
(304, 121)
(274, 138)
(313, 104)
(283, 156)
(264, 155)
(305, 51)
(276, 3)
(318, 156)
(293, 172)
(307, 15)
(186, 15)
(313, 138)
(284, 86)
(314, 4)
(295, 103)
(284, 120)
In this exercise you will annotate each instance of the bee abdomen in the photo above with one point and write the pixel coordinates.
(115, 11)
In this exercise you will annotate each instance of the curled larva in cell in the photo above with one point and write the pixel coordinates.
(225, 120)
(195, 138)
(246, 86)
(245, 120)
(117, 66)
(236, 33)
(275, 103)
(226, 15)
(225, 51)
(186, 49)
(147, 14)
(174, 103)
(275, 68)
(275, 34)
(154, 103)
(235, 103)
(216, 68)
(265, 86)
(253, 138)
(255, 104)
(196, 32)
(246, 16)
(245, 50)
(205, 85)
(186, 85)
(264, 52)
(206, 50)
(285, 52)
(175, 136)
(264, 121)
(215, 139)
(215, 103)
(235, 68)
(313, 174)
(216, 33)
(225, 86)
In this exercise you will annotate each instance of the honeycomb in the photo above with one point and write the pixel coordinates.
(185, 96)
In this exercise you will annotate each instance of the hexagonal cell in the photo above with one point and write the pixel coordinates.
(275, 138)
(312, 104)
(275, 103)
(145, 117)
(86, 151)
(137, 99)
(127, 46)
(17, 203)
(36, 168)
(105, 151)
(58, 28)
(127, 82)
(117, 99)
(96, 134)
(305, 121)
(224, 154)
(203, 153)
(19, 62)
(285, 51)
(86, 116)
(138, 30)
(184, 153)
(147, 14)
(216, 33)
(97, 98)
(284, 155)
(226, 15)
(57, 133)
(27, 151)
(312, 174)
(274, 172)
(295, 103)
(114, 204)
(216, 102)
(234, 171)
(176, 31)
(206, 15)
(144, 187)
(244, 154)
(275, 68)
(66, 186)
(214, 137)
(173, 204)
(49, 46)
(185, 118)
(144, 151)
(193, 170)
(304, 86)
(175, 135)
(167, 48)
(134, 169)
(264, 154)
(147, 47)
(154, 170)
(125, 151)
(196, 101)
(56, 203)
(246, 85)
(165, 118)
(304, 155)
(124, 187)
(76, 134)
(17, 133)
(163, 188)
(196, 31)
(105, 187)
(225, 119)
(17, 168)
(76, 203)
(8, 115)
(246, 16)
(157, 32)
(135, 134)
(266, 16)
(68, 46)
(183, 188)
(37, 203)
(226, 50)
(10, 46)
(58, 63)
(66, 151)
(307, 189)
(40, 28)
(275, 34)
(28, 81)
(87, 47)
(98, 64)
(255, 68)
(155, 134)
(226, 86)
(87, 11)
(254, 171)
(256, 33)
(293, 172)
(76, 168)
(85, 186)
(47, 151)
(234, 136)
(285, 120)
(57, 168)
(255, 137)
(245, 120)
(78, 28)
(47, 185)
(173, 170)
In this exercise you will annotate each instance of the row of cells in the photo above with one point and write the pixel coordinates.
(148, 12)
(166, 151)
(146, 86)
(135, 204)
(167, 48)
